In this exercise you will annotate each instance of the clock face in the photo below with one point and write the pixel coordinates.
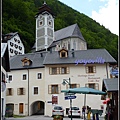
(3, 86)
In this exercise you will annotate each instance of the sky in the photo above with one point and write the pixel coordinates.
(105, 12)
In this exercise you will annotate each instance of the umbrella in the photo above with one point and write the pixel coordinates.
(84, 90)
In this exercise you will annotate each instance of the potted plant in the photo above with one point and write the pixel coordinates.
(57, 117)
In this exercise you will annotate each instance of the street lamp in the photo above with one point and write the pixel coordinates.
(68, 81)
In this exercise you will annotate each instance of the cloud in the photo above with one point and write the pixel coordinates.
(108, 16)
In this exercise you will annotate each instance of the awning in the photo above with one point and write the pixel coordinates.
(111, 84)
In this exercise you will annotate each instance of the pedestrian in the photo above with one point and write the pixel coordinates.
(83, 111)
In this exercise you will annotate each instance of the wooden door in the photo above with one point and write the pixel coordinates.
(20, 107)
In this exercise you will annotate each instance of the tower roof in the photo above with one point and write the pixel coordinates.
(44, 9)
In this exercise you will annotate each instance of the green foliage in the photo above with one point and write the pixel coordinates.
(19, 16)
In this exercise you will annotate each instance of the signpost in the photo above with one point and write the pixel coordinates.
(69, 97)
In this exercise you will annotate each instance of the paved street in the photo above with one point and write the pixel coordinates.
(41, 117)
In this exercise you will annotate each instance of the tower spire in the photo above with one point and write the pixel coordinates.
(44, 2)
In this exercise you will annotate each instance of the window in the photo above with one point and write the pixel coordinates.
(59, 70)
(18, 41)
(73, 86)
(41, 23)
(16, 52)
(64, 70)
(92, 85)
(90, 69)
(9, 91)
(54, 89)
(11, 50)
(10, 77)
(11, 43)
(24, 77)
(54, 70)
(15, 39)
(16, 46)
(35, 90)
(20, 48)
(21, 91)
(39, 76)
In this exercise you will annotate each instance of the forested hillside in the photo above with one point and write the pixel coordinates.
(19, 16)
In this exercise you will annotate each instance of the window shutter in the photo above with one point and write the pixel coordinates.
(50, 71)
(94, 69)
(67, 86)
(96, 86)
(23, 91)
(11, 91)
(86, 85)
(7, 92)
(18, 91)
(86, 69)
(57, 70)
(59, 88)
(60, 70)
(49, 89)
(77, 85)
(67, 71)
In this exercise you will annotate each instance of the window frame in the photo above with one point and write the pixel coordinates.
(34, 90)
(96, 85)
(52, 90)
(90, 69)
(23, 76)
(38, 76)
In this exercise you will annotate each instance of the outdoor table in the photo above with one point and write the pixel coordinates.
(96, 112)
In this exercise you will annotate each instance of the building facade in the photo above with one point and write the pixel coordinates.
(36, 78)
(15, 45)
(4, 69)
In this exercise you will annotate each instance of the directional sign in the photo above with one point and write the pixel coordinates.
(69, 97)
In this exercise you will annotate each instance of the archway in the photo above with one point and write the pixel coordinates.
(37, 108)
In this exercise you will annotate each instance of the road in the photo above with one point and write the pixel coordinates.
(41, 117)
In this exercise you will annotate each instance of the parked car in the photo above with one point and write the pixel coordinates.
(58, 110)
(75, 112)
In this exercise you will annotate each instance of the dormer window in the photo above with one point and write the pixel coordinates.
(26, 62)
(63, 53)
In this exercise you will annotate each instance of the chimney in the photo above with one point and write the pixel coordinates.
(50, 50)
(41, 54)
(73, 54)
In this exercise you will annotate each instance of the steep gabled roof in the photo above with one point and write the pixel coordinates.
(70, 31)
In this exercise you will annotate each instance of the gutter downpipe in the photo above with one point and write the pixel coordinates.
(28, 90)
(107, 70)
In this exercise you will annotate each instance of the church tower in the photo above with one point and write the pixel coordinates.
(44, 27)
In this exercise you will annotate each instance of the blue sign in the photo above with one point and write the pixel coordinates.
(69, 97)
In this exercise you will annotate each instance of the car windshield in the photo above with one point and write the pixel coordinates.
(57, 108)
(75, 108)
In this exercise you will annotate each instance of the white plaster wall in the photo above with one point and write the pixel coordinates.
(77, 75)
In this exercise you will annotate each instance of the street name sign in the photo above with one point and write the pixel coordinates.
(69, 97)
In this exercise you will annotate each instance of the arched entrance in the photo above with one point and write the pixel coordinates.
(37, 108)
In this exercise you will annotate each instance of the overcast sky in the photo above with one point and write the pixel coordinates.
(105, 12)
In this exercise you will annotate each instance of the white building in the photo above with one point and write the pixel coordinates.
(15, 45)
(35, 78)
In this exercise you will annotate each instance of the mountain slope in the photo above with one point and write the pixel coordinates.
(19, 16)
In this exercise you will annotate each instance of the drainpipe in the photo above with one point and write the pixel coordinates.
(28, 90)
(107, 70)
